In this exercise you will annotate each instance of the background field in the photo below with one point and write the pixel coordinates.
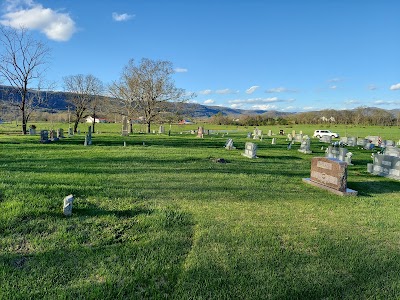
(165, 221)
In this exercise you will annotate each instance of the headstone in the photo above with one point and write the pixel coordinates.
(44, 136)
(200, 132)
(70, 131)
(351, 141)
(362, 142)
(88, 137)
(60, 133)
(125, 126)
(293, 133)
(289, 137)
(67, 206)
(229, 145)
(269, 132)
(373, 139)
(392, 151)
(53, 134)
(305, 145)
(249, 135)
(332, 152)
(326, 139)
(257, 134)
(385, 165)
(161, 130)
(347, 159)
(329, 174)
(273, 142)
(342, 154)
(32, 131)
(250, 150)
(298, 138)
(343, 140)
(390, 143)
(289, 146)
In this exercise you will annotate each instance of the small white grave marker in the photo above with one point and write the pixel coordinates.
(67, 207)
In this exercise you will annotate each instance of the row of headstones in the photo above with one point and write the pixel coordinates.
(250, 149)
(339, 153)
(55, 135)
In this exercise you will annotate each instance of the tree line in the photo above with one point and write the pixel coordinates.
(143, 90)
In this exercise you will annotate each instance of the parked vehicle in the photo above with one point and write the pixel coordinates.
(322, 132)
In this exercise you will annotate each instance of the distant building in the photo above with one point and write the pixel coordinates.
(97, 120)
(182, 122)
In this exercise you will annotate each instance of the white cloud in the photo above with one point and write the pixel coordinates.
(264, 107)
(235, 105)
(121, 17)
(30, 15)
(352, 101)
(333, 87)
(386, 103)
(372, 87)
(260, 100)
(395, 87)
(252, 89)
(308, 108)
(280, 90)
(226, 91)
(209, 101)
(180, 70)
(205, 92)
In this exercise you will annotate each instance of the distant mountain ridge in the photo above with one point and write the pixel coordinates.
(57, 101)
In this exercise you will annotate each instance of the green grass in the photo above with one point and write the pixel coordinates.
(165, 221)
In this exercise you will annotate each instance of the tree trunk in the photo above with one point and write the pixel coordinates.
(24, 121)
(148, 126)
(76, 126)
(130, 126)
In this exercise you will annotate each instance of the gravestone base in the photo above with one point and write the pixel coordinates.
(348, 192)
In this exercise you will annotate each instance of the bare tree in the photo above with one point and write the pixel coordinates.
(23, 61)
(83, 92)
(147, 89)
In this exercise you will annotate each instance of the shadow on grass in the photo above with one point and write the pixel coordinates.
(138, 255)
(341, 269)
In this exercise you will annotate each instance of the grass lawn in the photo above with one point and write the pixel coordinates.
(165, 220)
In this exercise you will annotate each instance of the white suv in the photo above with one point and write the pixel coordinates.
(321, 133)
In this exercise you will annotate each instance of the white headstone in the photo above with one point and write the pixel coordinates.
(67, 206)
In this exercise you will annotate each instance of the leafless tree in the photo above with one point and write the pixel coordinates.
(146, 89)
(23, 61)
(83, 92)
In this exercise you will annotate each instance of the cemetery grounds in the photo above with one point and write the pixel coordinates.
(160, 218)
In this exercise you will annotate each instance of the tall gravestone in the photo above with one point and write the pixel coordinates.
(330, 174)
(44, 136)
(125, 126)
(60, 133)
(200, 132)
(250, 150)
(161, 129)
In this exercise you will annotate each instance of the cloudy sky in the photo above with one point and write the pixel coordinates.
(285, 55)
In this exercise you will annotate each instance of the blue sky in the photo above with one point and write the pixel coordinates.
(285, 55)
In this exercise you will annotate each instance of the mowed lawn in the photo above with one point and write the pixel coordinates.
(160, 218)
